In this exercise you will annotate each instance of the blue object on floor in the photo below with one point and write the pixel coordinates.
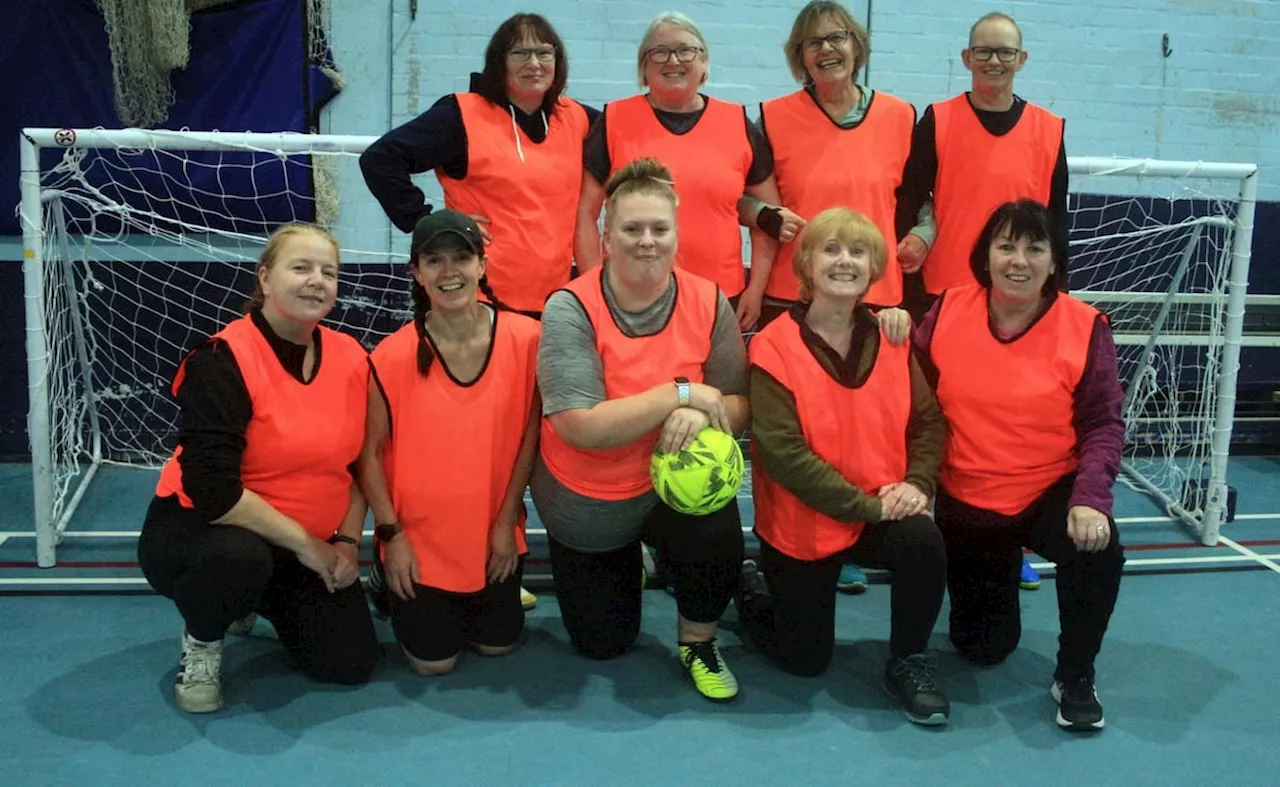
(1030, 579)
(852, 580)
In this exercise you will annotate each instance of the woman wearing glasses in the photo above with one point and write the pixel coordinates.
(971, 154)
(712, 150)
(834, 143)
(509, 155)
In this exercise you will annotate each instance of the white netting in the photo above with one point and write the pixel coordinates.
(158, 253)
(160, 245)
(1156, 257)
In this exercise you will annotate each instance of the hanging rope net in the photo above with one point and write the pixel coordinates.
(150, 38)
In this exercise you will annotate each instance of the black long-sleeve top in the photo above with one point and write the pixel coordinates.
(921, 171)
(215, 414)
(435, 139)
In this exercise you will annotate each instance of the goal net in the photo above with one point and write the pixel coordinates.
(139, 244)
(1162, 248)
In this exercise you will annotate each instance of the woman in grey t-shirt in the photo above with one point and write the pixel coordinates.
(636, 355)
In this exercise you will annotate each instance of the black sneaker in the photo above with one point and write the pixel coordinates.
(910, 681)
(377, 589)
(1078, 706)
(752, 596)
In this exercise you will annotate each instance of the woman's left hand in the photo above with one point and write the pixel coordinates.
(901, 500)
(1089, 528)
(503, 559)
(680, 429)
(749, 304)
(896, 325)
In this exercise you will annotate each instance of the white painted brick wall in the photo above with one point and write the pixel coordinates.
(1099, 64)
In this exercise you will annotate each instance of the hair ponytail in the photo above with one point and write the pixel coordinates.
(420, 307)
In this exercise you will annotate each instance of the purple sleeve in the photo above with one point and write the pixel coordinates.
(922, 339)
(1098, 423)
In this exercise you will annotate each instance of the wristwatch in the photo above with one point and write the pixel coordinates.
(338, 538)
(682, 390)
(386, 533)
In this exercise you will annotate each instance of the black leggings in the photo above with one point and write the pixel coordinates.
(797, 630)
(984, 558)
(217, 574)
(599, 592)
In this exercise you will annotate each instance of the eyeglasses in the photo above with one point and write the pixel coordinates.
(834, 39)
(1006, 54)
(684, 54)
(524, 55)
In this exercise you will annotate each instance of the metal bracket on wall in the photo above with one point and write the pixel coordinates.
(413, 11)
(1164, 45)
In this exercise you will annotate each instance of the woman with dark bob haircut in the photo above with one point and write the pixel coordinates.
(1026, 378)
(509, 155)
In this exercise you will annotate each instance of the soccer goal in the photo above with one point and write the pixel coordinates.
(138, 244)
(1162, 247)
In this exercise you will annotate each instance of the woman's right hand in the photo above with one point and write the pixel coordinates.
(711, 402)
(322, 558)
(792, 223)
(680, 429)
(399, 566)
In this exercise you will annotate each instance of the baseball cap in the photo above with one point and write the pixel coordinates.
(432, 225)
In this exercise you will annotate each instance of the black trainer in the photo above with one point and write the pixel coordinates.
(752, 596)
(1078, 706)
(910, 681)
(377, 589)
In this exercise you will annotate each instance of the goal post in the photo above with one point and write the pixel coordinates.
(1178, 313)
(138, 243)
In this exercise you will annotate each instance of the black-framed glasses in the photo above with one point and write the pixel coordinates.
(835, 39)
(525, 54)
(1005, 54)
(683, 54)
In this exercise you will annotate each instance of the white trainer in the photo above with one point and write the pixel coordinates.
(198, 688)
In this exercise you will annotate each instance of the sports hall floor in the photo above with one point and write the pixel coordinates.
(1189, 676)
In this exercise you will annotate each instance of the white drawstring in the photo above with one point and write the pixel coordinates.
(515, 130)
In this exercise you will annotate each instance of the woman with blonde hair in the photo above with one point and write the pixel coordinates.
(846, 441)
(635, 355)
(257, 510)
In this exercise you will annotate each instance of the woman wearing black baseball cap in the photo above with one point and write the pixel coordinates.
(449, 445)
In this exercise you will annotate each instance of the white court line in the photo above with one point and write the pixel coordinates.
(74, 581)
(1178, 561)
(1267, 560)
(1135, 520)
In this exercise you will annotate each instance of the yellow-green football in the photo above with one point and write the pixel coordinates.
(703, 479)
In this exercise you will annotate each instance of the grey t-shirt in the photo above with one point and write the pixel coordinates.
(570, 377)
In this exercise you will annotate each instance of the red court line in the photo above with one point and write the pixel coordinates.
(1269, 542)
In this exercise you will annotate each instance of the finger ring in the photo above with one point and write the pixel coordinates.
(1099, 529)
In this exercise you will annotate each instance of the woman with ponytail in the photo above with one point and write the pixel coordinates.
(449, 444)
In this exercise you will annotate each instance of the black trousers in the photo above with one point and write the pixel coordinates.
(797, 629)
(217, 574)
(984, 559)
(599, 592)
